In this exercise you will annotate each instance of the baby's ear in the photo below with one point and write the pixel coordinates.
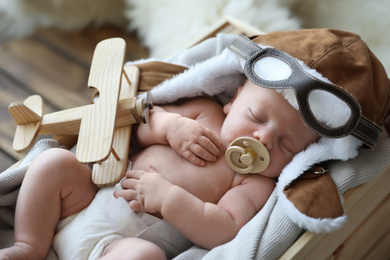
(226, 108)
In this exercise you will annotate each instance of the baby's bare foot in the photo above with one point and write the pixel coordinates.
(20, 251)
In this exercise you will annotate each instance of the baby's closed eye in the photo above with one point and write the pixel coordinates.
(257, 116)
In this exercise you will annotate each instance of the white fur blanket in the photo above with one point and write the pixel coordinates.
(267, 236)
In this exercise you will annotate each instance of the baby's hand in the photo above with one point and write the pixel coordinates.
(144, 190)
(194, 142)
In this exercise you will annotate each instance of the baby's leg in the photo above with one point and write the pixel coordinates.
(133, 249)
(56, 186)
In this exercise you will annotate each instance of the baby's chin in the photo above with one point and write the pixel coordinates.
(271, 172)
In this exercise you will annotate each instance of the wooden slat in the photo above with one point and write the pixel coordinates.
(46, 72)
(79, 49)
(381, 249)
(369, 229)
(84, 42)
(135, 50)
(228, 24)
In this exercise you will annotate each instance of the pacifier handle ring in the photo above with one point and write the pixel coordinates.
(247, 155)
(234, 166)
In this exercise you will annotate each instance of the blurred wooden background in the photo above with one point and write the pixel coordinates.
(54, 65)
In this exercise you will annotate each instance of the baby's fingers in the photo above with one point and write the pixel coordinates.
(130, 196)
(202, 153)
(129, 183)
(134, 174)
(209, 146)
(193, 158)
(212, 143)
(135, 205)
(127, 194)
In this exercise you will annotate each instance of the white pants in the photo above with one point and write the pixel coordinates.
(87, 234)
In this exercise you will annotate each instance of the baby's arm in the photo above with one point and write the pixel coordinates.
(206, 224)
(209, 225)
(179, 127)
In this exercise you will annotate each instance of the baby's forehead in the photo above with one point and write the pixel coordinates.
(253, 90)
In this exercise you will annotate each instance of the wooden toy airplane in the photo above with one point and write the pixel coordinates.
(103, 128)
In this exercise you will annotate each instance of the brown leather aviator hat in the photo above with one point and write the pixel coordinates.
(339, 87)
(354, 78)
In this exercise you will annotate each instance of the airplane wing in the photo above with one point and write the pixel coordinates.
(113, 169)
(98, 121)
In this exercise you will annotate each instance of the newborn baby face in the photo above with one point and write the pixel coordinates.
(266, 115)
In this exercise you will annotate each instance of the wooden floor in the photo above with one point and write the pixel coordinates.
(54, 65)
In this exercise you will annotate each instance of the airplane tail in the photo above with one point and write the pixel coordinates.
(26, 112)
(28, 117)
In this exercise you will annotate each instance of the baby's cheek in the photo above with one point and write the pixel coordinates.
(276, 165)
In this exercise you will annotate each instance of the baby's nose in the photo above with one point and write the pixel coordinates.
(266, 137)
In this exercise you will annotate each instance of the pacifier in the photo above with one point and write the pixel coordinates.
(247, 155)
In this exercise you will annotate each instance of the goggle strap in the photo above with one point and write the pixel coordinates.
(244, 47)
(367, 131)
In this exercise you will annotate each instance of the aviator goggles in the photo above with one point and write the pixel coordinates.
(304, 86)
